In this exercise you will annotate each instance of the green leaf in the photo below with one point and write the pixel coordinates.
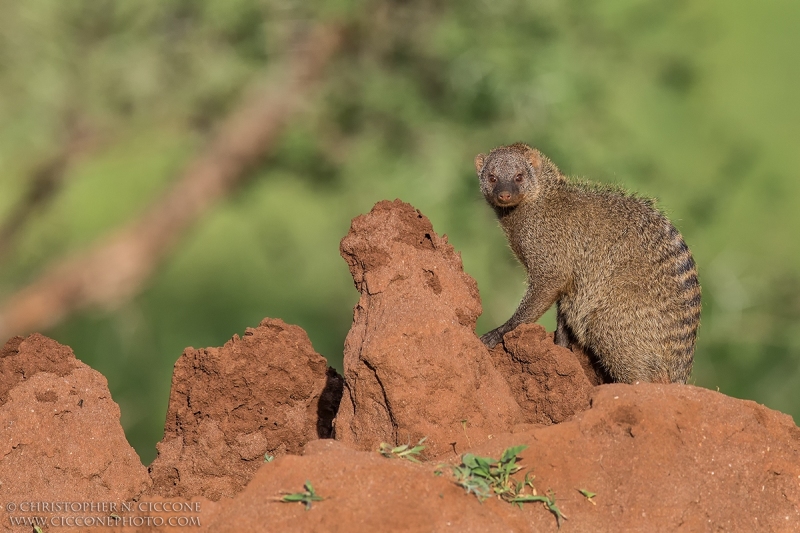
(404, 451)
(526, 498)
(511, 453)
(305, 497)
(551, 505)
(528, 481)
(469, 460)
(481, 466)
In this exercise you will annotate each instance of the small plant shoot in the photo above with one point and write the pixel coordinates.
(486, 477)
(589, 495)
(306, 497)
(403, 452)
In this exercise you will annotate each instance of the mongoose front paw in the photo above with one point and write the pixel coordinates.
(491, 338)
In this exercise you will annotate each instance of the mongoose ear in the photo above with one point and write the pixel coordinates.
(479, 160)
(534, 158)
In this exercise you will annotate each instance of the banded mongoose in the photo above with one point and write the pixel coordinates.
(623, 279)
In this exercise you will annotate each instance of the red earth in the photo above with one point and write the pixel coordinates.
(262, 416)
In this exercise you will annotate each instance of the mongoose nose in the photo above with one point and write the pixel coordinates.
(504, 196)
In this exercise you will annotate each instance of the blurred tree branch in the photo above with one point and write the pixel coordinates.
(117, 266)
(48, 177)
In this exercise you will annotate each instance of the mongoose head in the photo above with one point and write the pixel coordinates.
(510, 175)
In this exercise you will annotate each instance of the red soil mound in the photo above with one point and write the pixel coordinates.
(547, 381)
(413, 365)
(658, 457)
(259, 394)
(60, 436)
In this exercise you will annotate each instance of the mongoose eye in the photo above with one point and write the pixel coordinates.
(518, 178)
(492, 178)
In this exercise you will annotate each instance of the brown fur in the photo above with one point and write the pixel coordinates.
(620, 273)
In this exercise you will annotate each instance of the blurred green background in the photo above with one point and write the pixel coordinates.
(693, 103)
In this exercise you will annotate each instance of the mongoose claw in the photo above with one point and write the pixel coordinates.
(491, 338)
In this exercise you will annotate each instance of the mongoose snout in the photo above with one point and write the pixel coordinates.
(506, 180)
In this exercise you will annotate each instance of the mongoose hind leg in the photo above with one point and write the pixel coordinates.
(563, 335)
(589, 361)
